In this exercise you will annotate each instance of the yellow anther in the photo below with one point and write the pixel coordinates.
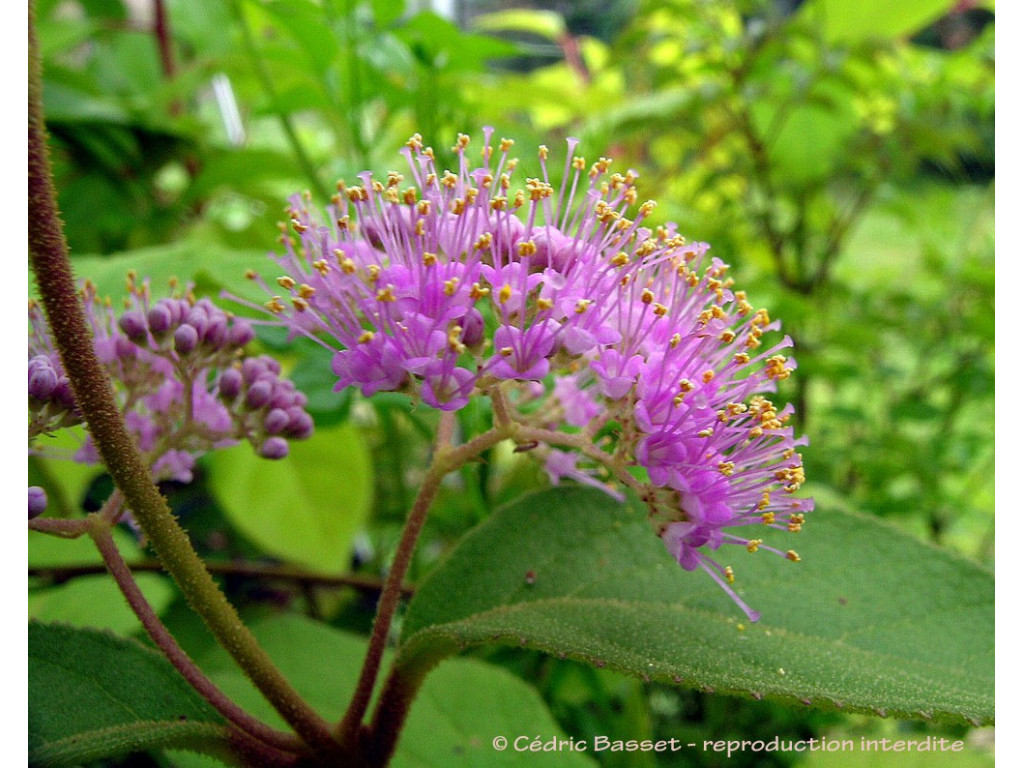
(768, 518)
(706, 432)
(506, 351)
(374, 273)
(415, 142)
(741, 357)
(478, 291)
(366, 336)
(647, 296)
(483, 242)
(545, 304)
(394, 178)
(753, 544)
(675, 340)
(321, 266)
(506, 144)
(450, 286)
(423, 207)
(707, 376)
(251, 274)
(791, 555)
(730, 577)
(286, 282)
(660, 310)
(726, 467)
(300, 304)
(275, 305)
(582, 305)
(542, 151)
(505, 293)
(620, 259)
(298, 226)
(686, 385)
(726, 336)
(454, 344)
(526, 248)
(386, 294)
(429, 259)
(306, 291)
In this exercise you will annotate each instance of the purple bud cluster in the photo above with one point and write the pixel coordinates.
(182, 378)
(459, 283)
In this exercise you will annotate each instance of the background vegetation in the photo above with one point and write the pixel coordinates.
(839, 155)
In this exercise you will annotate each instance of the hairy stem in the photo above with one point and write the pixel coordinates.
(95, 397)
(446, 459)
(100, 532)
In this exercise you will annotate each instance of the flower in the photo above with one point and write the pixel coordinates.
(458, 282)
(182, 378)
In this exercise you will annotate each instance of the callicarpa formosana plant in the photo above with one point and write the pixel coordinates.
(618, 354)
(615, 352)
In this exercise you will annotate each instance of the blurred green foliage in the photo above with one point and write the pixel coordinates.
(839, 155)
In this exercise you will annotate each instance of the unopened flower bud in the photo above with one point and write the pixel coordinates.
(134, 325)
(36, 501)
(42, 379)
(216, 332)
(274, 448)
(185, 339)
(159, 318)
(275, 421)
(252, 369)
(240, 333)
(300, 424)
(259, 394)
(230, 384)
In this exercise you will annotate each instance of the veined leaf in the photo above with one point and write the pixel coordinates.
(94, 695)
(870, 621)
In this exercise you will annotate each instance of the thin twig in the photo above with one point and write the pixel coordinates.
(100, 533)
(367, 584)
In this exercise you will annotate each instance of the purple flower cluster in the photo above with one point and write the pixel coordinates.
(182, 379)
(456, 283)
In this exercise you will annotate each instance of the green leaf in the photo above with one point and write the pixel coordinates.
(94, 695)
(95, 601)
(305, 508)
(856, 625)
(461, 707)
(547, 24)
(851, 22)
(90, 601)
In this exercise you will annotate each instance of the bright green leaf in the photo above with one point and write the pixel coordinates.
(305, 508)
(90, 601)
(95, 601)
(853, 21)
(855, 624)
(548, 24)
(94, 695)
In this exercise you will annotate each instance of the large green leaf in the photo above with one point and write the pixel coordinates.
(93, 695)
(852, 21)
(306, 508)
(871, 620)
(460, 710)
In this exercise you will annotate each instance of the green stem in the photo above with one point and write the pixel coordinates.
(95, 397)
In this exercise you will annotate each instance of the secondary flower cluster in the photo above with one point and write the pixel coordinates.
(456, 283)
(182, 379)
